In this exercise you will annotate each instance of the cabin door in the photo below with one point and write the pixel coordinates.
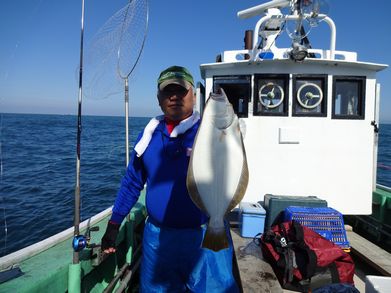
(375, 124)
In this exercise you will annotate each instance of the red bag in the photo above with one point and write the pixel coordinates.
(303, 260)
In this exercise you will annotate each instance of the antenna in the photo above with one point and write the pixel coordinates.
(315, 8)
(309, 15)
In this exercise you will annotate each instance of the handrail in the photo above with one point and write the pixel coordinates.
(386, 188)
(29, 251)
(329, 21)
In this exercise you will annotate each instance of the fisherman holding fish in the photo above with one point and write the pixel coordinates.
(173, 258)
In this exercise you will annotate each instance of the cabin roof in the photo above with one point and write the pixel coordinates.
(290, 65)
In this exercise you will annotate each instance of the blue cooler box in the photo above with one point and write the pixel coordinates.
(251, 219)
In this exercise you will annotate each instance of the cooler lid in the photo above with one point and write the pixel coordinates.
(251, 208)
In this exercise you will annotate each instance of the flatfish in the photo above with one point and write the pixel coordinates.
(217, 177)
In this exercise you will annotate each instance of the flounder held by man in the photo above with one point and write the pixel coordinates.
(217, 177)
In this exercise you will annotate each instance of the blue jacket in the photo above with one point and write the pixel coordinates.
(163, 166)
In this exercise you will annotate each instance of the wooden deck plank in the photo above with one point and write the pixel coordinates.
(372, 254)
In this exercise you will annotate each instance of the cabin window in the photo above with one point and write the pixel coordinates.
(271, 95)
(348, 97)
(237, 89)
(310, 95)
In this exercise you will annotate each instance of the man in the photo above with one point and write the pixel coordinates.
(173, 260)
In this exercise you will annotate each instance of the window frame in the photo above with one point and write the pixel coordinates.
(361, 101)
(285, 104)
(244, 77)
(319, 77)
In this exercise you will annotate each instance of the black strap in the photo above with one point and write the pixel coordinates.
(288, 253)
(290, 264)
(334, 272)
(300, 243)
(288, 248)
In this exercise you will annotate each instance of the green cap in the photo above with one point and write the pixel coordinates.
(175, 75)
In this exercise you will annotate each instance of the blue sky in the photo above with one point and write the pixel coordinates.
(40, 41)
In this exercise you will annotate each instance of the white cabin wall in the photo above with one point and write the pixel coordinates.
(325, 163)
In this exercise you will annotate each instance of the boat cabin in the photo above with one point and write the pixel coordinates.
(309, 117)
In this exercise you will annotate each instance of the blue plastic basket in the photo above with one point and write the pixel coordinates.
(325, 221)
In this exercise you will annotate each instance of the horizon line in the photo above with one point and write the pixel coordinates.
(99, 115)
(102, 115)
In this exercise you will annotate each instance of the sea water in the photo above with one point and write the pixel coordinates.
(39, 172)
(38, 155)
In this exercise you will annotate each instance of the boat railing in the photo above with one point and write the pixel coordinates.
(283, 53)
(269, 27)
(386, 188)
(259, 27)
(29, 251)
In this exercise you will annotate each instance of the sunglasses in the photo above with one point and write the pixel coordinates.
(172, 90)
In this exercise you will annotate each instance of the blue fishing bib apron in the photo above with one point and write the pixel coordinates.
(173, 261)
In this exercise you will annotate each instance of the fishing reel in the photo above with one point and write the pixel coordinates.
(80, 242)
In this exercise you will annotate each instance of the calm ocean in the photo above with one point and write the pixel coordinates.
(39, 170)
(38, 175)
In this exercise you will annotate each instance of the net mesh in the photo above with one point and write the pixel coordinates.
(113, 52)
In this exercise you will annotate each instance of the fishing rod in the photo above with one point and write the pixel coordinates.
(1, 183)
(77, 187)
(80, 241)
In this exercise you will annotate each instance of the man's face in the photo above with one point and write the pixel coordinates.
(176, 102)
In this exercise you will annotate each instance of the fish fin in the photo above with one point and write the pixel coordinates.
(215, 239)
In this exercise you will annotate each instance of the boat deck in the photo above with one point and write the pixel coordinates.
(371, 254)
(257, 275)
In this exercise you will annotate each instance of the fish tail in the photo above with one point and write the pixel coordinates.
(215, 239)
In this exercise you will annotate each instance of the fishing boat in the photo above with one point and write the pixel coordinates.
(310, 122)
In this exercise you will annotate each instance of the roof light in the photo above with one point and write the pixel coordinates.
(298, 52)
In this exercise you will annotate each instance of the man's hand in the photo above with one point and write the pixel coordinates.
(108, 239)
